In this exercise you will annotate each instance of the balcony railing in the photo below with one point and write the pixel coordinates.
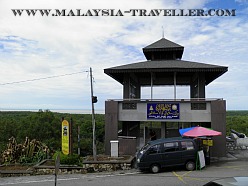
(167, 100)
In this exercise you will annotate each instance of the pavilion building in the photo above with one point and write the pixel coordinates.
(133, 116)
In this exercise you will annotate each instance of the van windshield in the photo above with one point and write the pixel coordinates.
(144, 148)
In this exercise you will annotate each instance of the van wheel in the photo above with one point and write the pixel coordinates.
(155, 168)
(190, 166)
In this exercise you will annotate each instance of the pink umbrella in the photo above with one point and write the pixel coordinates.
(201, 131)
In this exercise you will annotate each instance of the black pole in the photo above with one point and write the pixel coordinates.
(55, 179)
(78, 140)
(93, 118)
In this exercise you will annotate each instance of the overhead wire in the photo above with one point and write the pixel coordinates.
(42, 78)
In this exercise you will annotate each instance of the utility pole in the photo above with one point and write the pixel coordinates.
(78, 140)
(93, 116)
(70, 137)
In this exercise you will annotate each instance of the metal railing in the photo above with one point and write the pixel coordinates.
(168, 100)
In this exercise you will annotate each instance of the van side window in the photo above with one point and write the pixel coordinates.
(187, 145)
(153, 149)
(171, 147)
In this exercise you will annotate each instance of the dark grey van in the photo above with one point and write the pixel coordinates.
(167, 152)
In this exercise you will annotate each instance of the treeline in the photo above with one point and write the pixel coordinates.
(45, 126)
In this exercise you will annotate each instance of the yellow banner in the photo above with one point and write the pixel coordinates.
(65, 137)
(208, 142)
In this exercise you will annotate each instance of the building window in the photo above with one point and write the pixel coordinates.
(198, 106)
(129, 106)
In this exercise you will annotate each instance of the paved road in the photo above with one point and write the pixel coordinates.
(134, 177)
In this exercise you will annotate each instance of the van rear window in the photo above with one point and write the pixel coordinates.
(187, 145)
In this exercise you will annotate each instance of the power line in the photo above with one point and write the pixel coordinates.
(38, 79)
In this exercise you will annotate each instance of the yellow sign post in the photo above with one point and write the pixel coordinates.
(65, 137)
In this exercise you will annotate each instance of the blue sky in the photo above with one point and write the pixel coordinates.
(35, 47)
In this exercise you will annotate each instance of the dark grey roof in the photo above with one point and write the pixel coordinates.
(163, 43)
(165, 65)
(163, 49)
(164, 59)
(165, 69)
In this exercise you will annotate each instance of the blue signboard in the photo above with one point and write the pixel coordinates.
(163, 111)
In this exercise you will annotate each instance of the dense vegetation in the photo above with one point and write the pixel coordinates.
(237, 120)
(45, 126)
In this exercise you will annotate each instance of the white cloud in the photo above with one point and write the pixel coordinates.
(242, 1)
(200, 39)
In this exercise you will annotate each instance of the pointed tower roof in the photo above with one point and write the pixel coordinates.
(162, 60)
(163, 49)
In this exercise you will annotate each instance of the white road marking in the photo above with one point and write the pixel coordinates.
(40, 180)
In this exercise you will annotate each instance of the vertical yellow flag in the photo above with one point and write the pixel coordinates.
(65, 137)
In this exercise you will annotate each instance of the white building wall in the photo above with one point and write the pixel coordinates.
(186, 114)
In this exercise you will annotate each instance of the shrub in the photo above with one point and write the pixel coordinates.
(72, 159)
